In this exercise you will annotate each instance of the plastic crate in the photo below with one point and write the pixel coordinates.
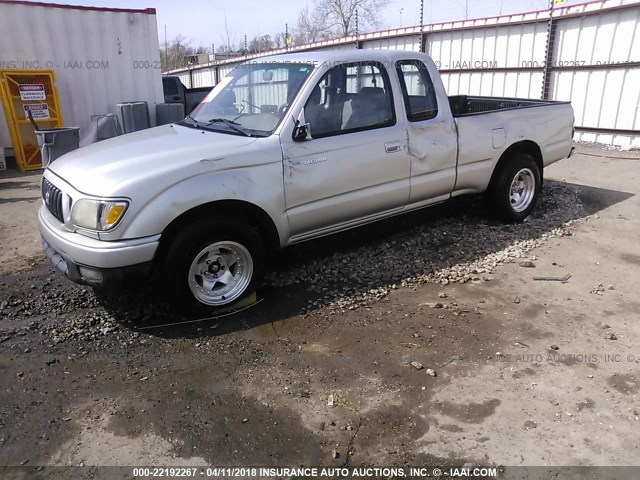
(56, 142)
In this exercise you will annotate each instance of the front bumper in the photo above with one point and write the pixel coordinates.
(91, 261)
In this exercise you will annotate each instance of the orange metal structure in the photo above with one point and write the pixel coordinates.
(29, 90)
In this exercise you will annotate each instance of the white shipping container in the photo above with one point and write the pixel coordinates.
(101, 57)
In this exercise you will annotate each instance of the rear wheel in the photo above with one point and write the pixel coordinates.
(214, 264)
(515, 190)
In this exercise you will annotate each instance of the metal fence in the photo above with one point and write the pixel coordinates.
(587, 53)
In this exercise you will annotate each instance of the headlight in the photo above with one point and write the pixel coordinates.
(98, 215)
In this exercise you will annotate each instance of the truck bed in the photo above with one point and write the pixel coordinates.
(464, 105)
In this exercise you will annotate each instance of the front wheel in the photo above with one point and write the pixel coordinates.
(214, 264)
(515, 190)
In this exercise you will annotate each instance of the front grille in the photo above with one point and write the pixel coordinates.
(52, 197)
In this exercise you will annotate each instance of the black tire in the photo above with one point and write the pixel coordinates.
(231, 239)
(508, 204)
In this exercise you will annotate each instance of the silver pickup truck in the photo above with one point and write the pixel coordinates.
(286, 149)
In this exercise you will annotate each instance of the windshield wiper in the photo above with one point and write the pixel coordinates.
(230, 123)
(188, 122)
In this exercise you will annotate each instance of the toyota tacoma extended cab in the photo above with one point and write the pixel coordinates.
(286, 149)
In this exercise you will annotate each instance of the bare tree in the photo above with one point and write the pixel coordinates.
(229, 37)
(327, 18)
(312, 26)
(175, 54)
(179, 53)
(340, 15)
(278, 40)
(261, 43)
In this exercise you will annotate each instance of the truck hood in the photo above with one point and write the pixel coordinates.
(108, 167)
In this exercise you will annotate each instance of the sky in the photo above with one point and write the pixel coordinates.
(202, 22)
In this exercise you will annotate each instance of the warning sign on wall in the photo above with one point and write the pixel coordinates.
(32, 92)
(40, 111)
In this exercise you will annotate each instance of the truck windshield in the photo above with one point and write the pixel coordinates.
(251, 100)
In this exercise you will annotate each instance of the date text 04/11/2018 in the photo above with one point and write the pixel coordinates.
(348, 472)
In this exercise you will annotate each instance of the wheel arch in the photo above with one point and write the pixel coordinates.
(255, 216)
(523, 146)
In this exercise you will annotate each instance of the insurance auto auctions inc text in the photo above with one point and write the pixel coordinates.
(353, 472)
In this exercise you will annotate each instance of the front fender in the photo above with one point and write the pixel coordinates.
(260, 185)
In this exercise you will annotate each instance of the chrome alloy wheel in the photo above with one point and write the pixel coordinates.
(522, 190)
(220, 273)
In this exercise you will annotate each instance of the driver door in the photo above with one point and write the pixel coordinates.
(355, 167)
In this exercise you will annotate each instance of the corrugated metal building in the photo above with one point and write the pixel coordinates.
(588, 53)
(101, 56)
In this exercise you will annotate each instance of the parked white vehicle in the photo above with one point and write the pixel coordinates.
(286, 149)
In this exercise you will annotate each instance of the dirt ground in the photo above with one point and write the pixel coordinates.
(527, 372)
(20, 245)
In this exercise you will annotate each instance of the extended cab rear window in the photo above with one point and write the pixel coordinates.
(417, 89)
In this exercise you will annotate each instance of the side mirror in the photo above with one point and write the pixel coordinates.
(301, 133)
(301, 130)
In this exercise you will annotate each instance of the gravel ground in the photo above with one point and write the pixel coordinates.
(434, 246)
(438, 245)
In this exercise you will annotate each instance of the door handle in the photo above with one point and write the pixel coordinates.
(391, 147)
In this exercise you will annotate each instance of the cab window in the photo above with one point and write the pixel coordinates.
(350, 98)
(417, 90)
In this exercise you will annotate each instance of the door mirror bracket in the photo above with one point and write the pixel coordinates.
(301, 130)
